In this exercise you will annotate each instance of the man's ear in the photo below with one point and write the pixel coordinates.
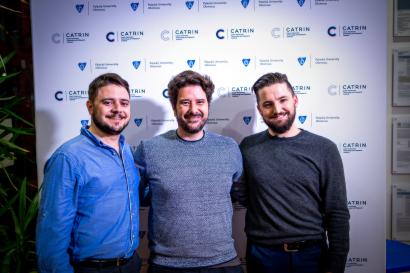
(295, 100)
(90, 107)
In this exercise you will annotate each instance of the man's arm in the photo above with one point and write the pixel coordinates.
(56, 215)
(239, 190)
(336, 216)
(144, 190)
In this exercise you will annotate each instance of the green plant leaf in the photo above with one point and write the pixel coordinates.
(31, 212)
(22, 202)
(8, 57)
(8, 76)
(13, 146)
(12, 114)
(16, 130)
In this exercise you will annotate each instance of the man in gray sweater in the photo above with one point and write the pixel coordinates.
(294, 189)
(189, 174)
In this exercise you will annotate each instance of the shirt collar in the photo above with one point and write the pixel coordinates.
(85, 132)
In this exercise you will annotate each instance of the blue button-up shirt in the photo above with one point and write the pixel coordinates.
(89, 205)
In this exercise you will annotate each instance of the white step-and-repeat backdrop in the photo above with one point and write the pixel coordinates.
(333, 51)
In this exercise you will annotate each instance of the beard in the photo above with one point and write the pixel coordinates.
(183, 124)
(106, 128)
(281, 128)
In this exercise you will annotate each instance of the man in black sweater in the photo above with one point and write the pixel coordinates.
(294, 189)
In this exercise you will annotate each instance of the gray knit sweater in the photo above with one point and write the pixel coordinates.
(296, 191)
(190, 218)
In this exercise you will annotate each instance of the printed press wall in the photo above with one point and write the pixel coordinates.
(333, 51)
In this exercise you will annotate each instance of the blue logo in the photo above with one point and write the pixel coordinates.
(189, 4)
(57, 95)
(245, 3)
(302, 60)
(165, 93)
(136, 64)
(302, 119)
(134, 6)
(301, 2)
(82, 66)
(190, 63)
(84, 122)
(246, 62)
(219, 34)
(247, 119)
(138, 121)
(109, 36)
(331, 31)
(79, 7)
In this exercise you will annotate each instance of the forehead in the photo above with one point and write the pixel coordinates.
(112, 91)
(274, 91)
(191, 92)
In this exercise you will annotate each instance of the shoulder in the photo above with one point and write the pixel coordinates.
(160, 139)
(72, 147)
(318, 139)
(319, 144)
(69, 152)
(220, 139)
(254, 139)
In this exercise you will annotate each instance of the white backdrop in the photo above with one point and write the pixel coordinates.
(333, 51)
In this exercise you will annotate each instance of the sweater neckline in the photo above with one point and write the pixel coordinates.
(189, 141)
(283, 139)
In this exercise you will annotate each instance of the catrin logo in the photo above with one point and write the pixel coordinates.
(138, 121)
(246, 62)
(302, 60)
(59, 95)
(276, 32)
(190, 63)
(220, 34)
(136, 64)
(302, 119)
(333, 90)
(56, 38)
(349, 89)
(134, 5)
(110, 36)
(165, 93)
(332, 31)
(301, 2)
(356, 261)
(356, 204)
(84, 122)
(245, 3)
(247, 119)
(82, 66)
(165, 35)
(79, 7)
(353, 147)
(189, 4)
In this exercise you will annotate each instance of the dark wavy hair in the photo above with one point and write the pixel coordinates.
(187, 78)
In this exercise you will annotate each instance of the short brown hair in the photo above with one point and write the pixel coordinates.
(186, 78)
(269, 79)
(104, 80)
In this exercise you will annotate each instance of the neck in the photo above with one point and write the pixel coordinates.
(110, 140)
(293, 131)
(188, 136)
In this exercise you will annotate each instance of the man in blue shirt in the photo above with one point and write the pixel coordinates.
(89, 212)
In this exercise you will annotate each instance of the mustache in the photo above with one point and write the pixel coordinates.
(190, 114)
(279, 114)
(116, 115)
